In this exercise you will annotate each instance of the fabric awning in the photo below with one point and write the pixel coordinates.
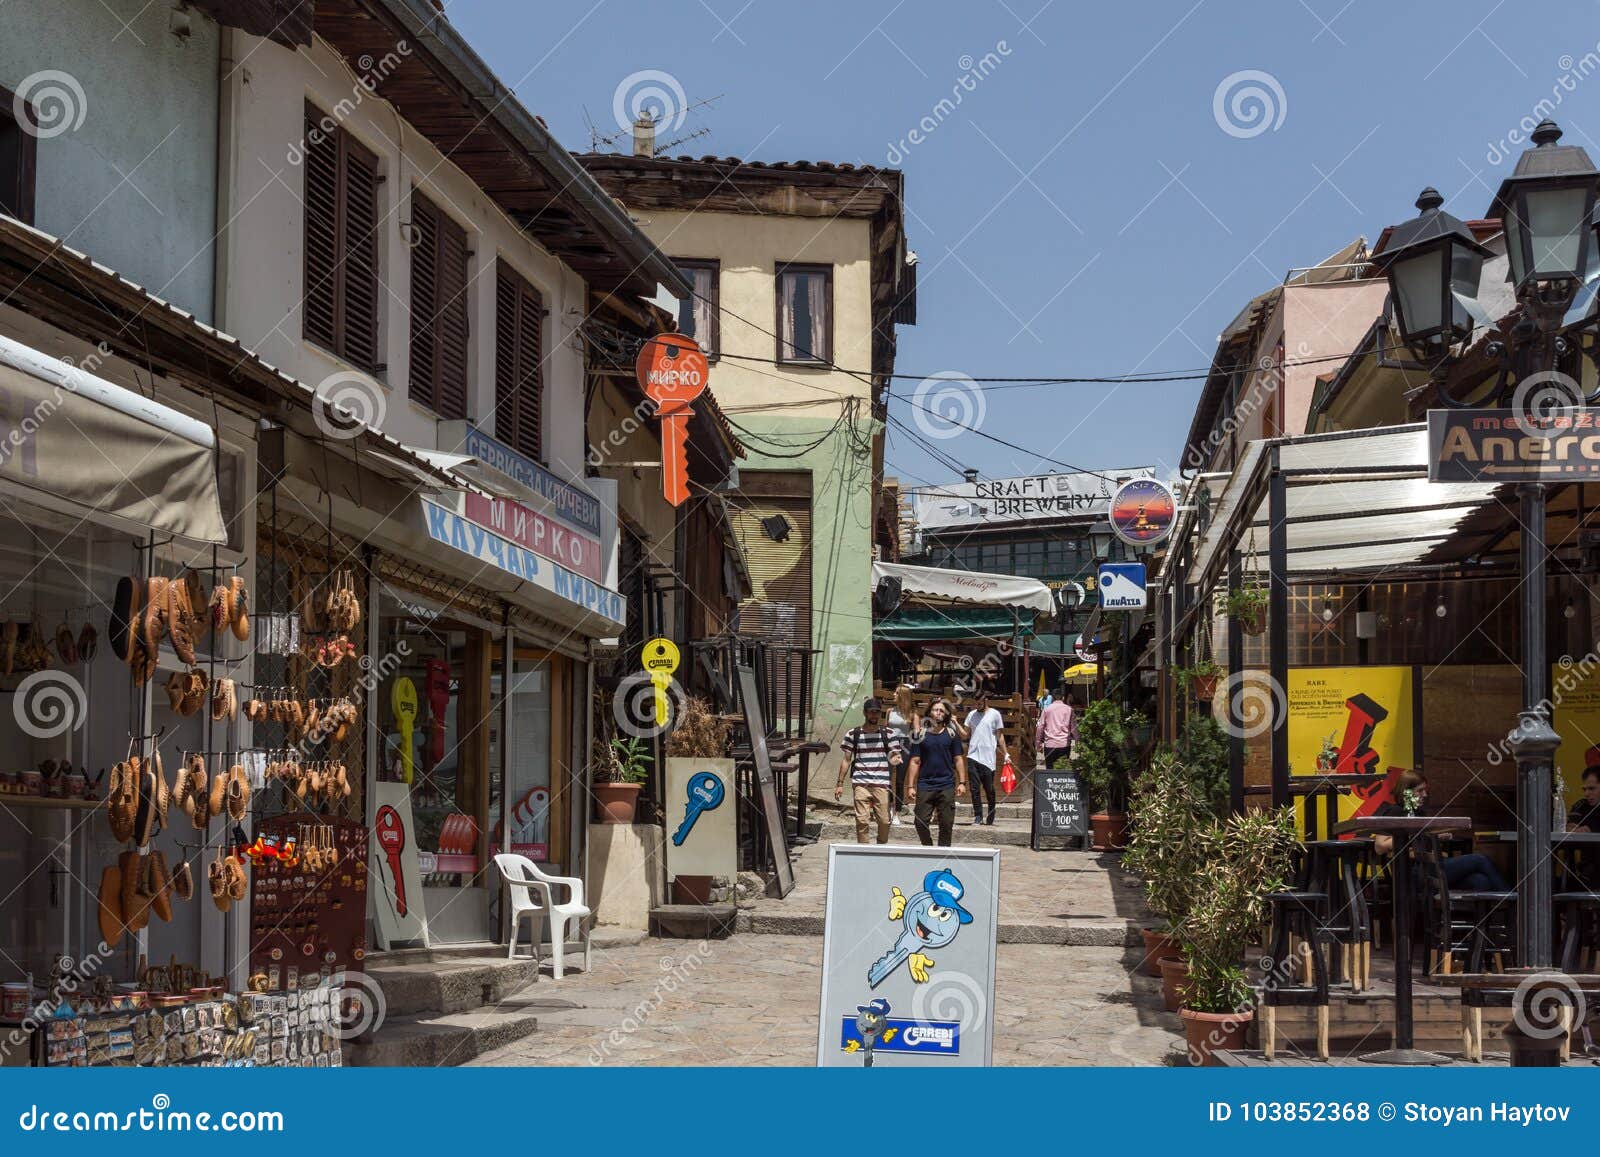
(109, 453)
(913, 624)
(973, 588)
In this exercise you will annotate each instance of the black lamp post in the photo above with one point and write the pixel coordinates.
(1433, 265)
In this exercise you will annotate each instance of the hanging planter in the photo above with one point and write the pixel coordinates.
(1201, 679)
(1248, 607)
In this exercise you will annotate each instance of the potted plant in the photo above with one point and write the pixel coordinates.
(1243, 861)
(620, 769)
(1201, 678)
(1248, 605)
(1165, 812)
(1105, 757)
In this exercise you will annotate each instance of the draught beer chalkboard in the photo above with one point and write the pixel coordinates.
(1059, 809)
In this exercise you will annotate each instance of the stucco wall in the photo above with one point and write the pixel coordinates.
(266, 266)
(749, 248)
(133, 184)
(1322, 322)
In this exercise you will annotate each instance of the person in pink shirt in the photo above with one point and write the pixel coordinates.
(1057, 731)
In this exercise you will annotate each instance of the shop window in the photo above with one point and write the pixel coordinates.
(441, 754)
(17, 153)
(994, 556)
(699, 316)
(439, 327)
(805, 314)
(519, 364)
(340, 308)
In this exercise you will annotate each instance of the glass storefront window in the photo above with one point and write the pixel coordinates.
(428, 746)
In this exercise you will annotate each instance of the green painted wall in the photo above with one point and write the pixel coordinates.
(841, 564)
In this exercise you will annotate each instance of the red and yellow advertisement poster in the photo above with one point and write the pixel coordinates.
(1575, 697)
(1351, 721)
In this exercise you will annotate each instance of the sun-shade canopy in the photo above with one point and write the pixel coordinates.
(1356, 502)
(111, 454)
(972, 588)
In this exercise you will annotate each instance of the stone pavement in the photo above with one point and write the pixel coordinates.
(752, 1000)
(1065, 993)
(1046, 897)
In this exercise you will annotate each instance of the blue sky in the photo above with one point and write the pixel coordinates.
(1084, 211)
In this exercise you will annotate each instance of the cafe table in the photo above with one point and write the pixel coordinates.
(1403, 829)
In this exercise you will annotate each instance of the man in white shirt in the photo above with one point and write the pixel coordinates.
(986, 751)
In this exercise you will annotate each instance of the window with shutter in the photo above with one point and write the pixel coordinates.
(438, 310)
(519, 364)
(339, 309)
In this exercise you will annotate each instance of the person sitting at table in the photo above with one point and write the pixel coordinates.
(1473, 872)
(1585, 814)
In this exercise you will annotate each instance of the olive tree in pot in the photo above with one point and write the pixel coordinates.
(1165, 814)
(1246, 858)
(1105, 756)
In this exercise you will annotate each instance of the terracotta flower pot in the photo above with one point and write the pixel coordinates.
(615, 803)
(1174, 981)
(1211, 1032)
(1110, 831)
(691, 890)
(1205, 687)
(1158, 946)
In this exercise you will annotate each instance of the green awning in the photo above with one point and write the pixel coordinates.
(911, 624)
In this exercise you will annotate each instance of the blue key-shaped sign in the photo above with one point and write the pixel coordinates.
(705, 794)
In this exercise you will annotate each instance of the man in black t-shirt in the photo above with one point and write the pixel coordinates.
(938, 775)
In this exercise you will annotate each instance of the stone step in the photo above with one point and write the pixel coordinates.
(1113, 932)
(439, 1040)
(450, 985)
(1008, 833)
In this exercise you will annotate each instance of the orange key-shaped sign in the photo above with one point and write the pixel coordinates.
(673, 372)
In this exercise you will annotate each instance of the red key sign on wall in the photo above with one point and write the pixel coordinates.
(673, 372)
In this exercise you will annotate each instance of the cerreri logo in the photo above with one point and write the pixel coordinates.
(941, 1036)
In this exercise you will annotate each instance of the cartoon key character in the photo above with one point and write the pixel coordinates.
(930, 919)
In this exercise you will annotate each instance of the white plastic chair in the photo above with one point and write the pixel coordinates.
(531, 895)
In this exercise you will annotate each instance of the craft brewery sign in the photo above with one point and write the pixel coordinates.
(1036, 498)
(1513, 445)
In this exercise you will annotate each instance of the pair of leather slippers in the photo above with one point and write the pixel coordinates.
(136, 887)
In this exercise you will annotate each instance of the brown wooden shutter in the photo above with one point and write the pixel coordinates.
(322, 231)
(779, 609)
(340, 307)
(451, 322)
(519, 364)
(424, 300)
(358, 285)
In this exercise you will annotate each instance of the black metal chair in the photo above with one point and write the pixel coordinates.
(1336, 868)
(1460, 926)
(1296, 972)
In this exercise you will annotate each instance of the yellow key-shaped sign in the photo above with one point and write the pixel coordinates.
(660, 660)
(403, 701)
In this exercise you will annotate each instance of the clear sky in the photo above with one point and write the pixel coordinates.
(1086, 208)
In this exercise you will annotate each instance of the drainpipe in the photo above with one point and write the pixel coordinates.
(226, 155)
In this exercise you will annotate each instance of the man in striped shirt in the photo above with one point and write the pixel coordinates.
(871, 753)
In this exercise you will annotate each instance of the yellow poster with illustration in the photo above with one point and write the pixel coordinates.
(1351, 721)
(1575, 697)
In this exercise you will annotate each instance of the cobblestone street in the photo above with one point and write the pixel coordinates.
(752, 1000)
(1065, 993)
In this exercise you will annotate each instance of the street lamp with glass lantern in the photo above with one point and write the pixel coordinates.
(1547, 209)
